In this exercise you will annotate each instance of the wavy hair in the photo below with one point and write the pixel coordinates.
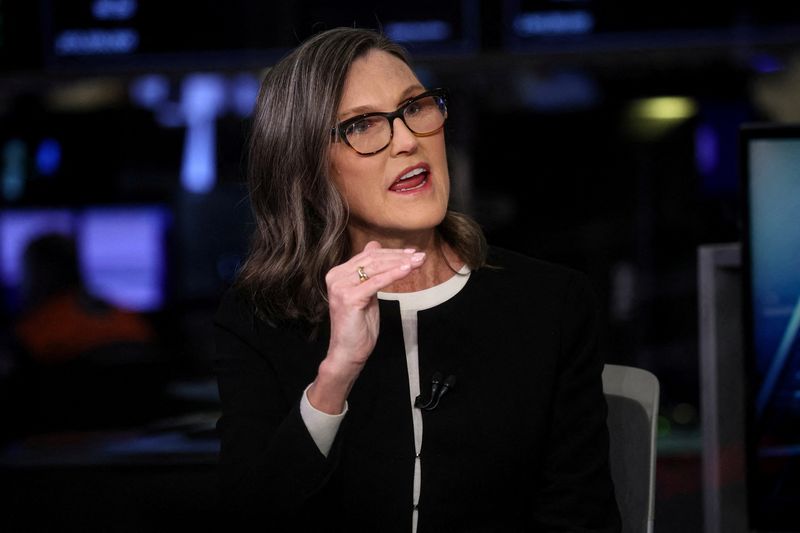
(301, 219)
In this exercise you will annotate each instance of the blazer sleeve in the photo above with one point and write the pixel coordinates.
(270, 467)
(576, 492)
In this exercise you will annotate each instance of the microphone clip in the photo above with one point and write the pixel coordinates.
(438, 390)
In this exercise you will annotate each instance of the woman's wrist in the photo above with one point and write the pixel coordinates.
(332, 386)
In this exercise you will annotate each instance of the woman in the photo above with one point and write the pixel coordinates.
(363, 292)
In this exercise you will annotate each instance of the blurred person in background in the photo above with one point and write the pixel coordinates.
(83, 362)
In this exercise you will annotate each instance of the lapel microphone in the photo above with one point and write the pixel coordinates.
(438, 390)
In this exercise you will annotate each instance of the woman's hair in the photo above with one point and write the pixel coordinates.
(301, 219)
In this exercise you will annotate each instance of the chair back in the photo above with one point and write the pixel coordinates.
(632, 397)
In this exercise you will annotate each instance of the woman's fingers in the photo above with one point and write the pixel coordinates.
(374, 266)
(388, 273)
(372, 272)
(372, 261)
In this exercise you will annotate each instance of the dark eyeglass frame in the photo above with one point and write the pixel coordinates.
(340, 129)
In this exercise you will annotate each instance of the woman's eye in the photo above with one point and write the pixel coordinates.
(359, 128)
(413, 108)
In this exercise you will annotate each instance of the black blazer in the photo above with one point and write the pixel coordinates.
(520, 444)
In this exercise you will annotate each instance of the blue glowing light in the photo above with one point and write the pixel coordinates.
(114, 9)
(547, 23)
(766, 64)
(202, 99)
(13, 175)
(418, 31)
(150, 90)
(48, 157)
(97, 42)
(706, 149)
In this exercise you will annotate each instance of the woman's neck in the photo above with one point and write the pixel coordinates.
(441, 262)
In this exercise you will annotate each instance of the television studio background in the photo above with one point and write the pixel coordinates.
(600, 135)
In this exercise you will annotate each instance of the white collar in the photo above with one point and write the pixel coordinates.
(430, 297)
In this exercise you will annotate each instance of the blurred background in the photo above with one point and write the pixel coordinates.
(600, 135)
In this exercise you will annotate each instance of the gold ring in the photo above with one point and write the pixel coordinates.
(362, 276)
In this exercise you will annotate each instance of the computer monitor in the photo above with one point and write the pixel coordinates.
(122, 250)
(771, 294)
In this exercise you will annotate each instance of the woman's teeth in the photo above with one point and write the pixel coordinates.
(411, 180)
(413, 173)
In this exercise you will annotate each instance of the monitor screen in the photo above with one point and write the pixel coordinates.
(531, 23)
(18, 227)
(122, 250)
(771, 172)
(111, 32)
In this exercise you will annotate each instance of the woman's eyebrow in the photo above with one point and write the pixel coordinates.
(410, 92)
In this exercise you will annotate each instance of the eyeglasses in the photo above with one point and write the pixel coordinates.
(371, 133)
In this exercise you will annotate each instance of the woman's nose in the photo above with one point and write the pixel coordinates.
(403, 139)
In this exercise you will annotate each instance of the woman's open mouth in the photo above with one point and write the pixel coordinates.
(412, 180)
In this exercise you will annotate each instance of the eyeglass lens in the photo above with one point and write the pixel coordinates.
(373, 133)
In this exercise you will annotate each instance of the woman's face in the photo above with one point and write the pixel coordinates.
(380, 204)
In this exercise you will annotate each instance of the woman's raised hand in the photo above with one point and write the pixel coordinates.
(353, 307)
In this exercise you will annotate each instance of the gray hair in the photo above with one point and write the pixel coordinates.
(301, 219)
